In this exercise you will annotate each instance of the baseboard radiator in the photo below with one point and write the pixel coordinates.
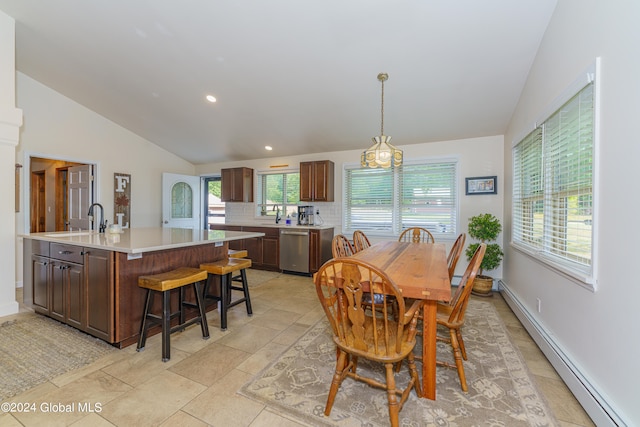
(594, 403)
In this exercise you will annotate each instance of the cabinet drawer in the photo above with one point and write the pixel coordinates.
(69, 253)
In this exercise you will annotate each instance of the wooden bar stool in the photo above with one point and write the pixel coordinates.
(164, 283)
(237, 253)
(225, 268)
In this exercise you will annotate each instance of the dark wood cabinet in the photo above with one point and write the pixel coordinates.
(264, 252)
(237, 185)
(98, 299)
(74, 285)
(271, 252)
(40, 276)
(319, 248)
(317, 181)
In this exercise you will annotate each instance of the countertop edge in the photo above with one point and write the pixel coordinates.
(88, 240)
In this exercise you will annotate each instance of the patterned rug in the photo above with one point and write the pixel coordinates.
(501, 390)
(35, 349)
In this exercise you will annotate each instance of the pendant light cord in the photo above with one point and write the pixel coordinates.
(382, 77)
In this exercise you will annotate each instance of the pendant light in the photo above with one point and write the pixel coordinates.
(381, 154)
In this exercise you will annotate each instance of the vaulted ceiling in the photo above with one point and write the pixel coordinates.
(300, 76)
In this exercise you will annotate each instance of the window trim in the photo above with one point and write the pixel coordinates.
(258, 185)
(586, 277)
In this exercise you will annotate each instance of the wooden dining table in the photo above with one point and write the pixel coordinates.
(420, 271)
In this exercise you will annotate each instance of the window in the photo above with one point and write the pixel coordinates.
(553, 189)
(215, 207)
(386, 201)
(278, 191)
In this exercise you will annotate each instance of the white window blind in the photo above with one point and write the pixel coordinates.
(429, 197)
(528, 190)
(386, 201)
(553, 186)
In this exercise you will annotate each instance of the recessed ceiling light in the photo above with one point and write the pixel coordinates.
(211, 98)
(268, 147)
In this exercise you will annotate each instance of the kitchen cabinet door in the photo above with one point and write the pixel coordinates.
(317, 181)
(40, 267)
(57, 294)
(74, 289)
(254, 250)
(99, 298)
(270, 253)
(237, 185)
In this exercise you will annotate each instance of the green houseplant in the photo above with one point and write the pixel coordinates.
(485, 228)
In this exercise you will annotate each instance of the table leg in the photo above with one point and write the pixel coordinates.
(429, 327)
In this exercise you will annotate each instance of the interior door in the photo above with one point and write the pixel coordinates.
(80, 195)
(181, 201)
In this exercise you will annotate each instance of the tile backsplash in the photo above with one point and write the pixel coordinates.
(330, 213)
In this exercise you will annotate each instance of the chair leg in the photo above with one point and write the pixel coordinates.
(461, 342)
(142, 339)
(394, 406)
(166, 325)
(338, 376)
(458, 358)
(414, 374)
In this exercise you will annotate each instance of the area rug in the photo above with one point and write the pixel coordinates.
(35, 349)
(501, 389)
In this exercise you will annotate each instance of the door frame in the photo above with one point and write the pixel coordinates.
(26, 190)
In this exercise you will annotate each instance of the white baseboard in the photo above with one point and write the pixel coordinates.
(594, 403)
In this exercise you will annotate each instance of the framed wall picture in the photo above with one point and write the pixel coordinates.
(481, 185)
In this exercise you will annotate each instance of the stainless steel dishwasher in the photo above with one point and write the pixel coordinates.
(294, 250)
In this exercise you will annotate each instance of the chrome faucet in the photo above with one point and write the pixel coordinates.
(103, 223)
(278, 217)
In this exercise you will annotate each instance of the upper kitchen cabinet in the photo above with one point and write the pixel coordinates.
(316, 181)
(237, 185)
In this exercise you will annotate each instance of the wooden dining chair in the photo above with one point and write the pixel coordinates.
(454, 254)
(451, 316)
(416, 235)
(341, 246)
(360, 241)
(341, 285)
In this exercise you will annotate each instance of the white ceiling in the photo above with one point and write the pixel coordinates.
(298, 75)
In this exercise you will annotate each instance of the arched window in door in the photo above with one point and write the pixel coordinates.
(181, 201)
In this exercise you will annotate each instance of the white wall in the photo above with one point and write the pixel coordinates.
(476, 157)
(10, 120)
(59, 128)
(594, 330)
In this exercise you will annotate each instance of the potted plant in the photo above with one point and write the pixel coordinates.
(485, 228)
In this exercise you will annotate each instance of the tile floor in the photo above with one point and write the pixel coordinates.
(128, 388)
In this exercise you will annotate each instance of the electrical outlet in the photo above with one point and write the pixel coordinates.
(317, 211)
(539, 304)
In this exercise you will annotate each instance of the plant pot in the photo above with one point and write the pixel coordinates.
(482, 285)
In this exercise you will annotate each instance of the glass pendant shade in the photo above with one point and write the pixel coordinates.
(381, 154)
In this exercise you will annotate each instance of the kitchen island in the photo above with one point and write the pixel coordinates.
(89, 280)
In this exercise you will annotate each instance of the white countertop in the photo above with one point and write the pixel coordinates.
(139, 240)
